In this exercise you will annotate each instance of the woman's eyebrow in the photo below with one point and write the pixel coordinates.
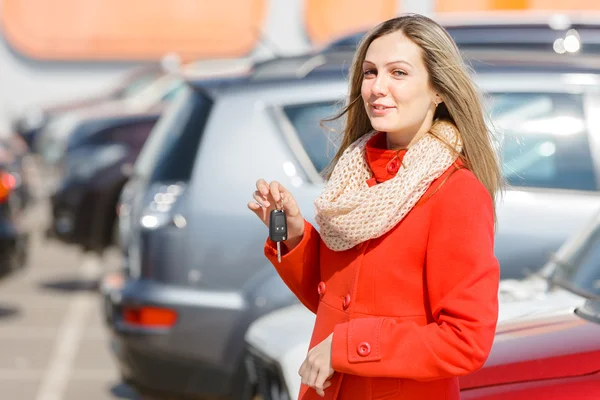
(391, 62)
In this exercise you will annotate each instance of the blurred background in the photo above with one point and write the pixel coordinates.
(131, 135)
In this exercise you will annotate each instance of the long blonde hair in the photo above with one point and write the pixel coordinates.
(450, 77)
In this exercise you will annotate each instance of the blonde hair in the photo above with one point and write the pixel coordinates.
(450, 77)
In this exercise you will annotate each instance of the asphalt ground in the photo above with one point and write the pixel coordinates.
(53, 341)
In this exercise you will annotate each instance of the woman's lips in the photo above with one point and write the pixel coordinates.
(380, 110)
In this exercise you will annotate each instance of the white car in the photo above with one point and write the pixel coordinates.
(278, 342)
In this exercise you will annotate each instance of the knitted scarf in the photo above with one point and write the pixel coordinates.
(350, 212)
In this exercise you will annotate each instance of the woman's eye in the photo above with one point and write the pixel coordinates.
(369, 72)
(398, 72)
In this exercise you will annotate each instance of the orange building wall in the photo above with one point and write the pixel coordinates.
(326, 20)
(132, 29)
(147, 29)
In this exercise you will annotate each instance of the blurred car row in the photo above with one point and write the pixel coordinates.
(166, 170)
(15, 197)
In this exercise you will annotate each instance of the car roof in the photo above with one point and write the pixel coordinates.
(334, 65)
(506, 30)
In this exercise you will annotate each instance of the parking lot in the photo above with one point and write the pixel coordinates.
(53, 343)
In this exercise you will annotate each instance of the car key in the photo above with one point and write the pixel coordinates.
(278, 228)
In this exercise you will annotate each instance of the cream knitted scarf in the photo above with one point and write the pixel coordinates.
(350, 212)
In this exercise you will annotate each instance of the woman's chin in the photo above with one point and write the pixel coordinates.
(379, 126)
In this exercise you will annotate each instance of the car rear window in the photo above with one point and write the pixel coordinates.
(543, 138)
(170, 151)
(319, 143)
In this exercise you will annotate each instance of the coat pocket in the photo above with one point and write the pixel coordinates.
(385, 388)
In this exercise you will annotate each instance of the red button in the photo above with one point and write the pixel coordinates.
(321, 288)
(347, 299)
(393, 166)
(364, 349)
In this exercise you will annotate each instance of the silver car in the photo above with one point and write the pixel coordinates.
(196, 276)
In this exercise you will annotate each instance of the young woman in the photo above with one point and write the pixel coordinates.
(401, 274)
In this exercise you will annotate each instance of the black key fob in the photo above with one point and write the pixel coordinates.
(277, 226)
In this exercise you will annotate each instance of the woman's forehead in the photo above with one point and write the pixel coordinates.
(393, 47)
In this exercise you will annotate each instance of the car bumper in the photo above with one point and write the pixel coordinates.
(199, 355)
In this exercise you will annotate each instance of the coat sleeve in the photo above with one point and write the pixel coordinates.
(462, 278)
(299, 268)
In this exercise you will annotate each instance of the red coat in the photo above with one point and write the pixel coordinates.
(411, 310)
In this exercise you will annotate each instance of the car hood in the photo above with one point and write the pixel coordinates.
(553, 344)
(532, 302)
(275, 333)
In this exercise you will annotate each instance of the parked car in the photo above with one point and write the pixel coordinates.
(191, 246)
(496, 32)
(55, 138)
(571, 276)
(278, 342)
(97, 163)
(34, 119)
(14, 232)
(550, 355)
(94, 157)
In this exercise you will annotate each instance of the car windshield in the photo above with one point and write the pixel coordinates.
(578, 263)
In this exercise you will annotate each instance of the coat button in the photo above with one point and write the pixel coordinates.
(346, 302)
(393, 166)
(364, 349)
(321, 288)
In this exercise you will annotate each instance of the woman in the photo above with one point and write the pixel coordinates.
(402, 275)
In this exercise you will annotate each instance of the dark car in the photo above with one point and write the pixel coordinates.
(33, 120)
(190, 245)
(556, 33)
(14, 196)
(97, 163)
(88, 156)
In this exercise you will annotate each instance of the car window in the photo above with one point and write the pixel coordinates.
(170, 151)
(320, 143)
(580, 270)
(543, 138)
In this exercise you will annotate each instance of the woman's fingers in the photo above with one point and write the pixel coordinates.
(263, 187)
(303, 372)
(312, 376)
(259, 198)
(320, 380)
(272, 196)
(289, 204)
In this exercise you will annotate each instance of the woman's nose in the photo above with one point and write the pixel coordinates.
(379, 86)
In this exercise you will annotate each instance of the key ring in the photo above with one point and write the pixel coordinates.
(281, 209)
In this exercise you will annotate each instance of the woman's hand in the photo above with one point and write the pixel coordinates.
(316, 368)
(268, 198)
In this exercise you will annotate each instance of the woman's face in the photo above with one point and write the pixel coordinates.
(395, 89)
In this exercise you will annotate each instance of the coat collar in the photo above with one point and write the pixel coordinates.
(384, 163)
